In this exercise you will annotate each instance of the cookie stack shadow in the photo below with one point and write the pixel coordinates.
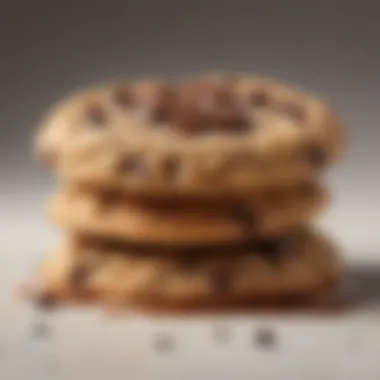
(164, 203)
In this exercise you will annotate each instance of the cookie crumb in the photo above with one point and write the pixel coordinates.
(265, 338)
(272, 249)
(163, 343)
(40, 330)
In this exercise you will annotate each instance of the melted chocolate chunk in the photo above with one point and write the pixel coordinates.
(231, 119)
(123, 97)
(132, 165)
(191, 121)
(259, 98)
(211, 107)
(163, 109)
(270, 246)
(217, 97)
(79, 276)
(272, 249)
(96, 115)
(316, 155)
(193, 108)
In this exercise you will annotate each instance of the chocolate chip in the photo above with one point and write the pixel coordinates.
(160, 106)
(245, 216)
(222, 97)
(123, 97)
(79, 276)
(132, 164)
(265, 338)
(163, 107)
(316, 156)
(171, 167)
(191, 121)
(232, 119)
(272, 249)
(259, 98)
(45, 301)
(306, 189)
(96, 115)
(211, 107)
(294, 111)
(221, 281)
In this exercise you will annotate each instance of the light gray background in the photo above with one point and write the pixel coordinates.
(51, 47)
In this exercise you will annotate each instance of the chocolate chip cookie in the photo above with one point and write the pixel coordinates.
(298, 264)
(195, 222)
(203, 136)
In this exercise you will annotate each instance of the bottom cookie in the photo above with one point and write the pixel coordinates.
(303, 265)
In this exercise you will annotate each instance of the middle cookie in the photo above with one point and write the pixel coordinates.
(190, 222)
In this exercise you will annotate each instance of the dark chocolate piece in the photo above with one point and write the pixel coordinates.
(96, 115)
(163, 108)
(123, 97)
(272, 250)
(132, 164)
(316, 155)
(259, 98)
(79, 276)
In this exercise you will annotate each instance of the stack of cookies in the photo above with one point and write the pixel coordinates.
(190, 193)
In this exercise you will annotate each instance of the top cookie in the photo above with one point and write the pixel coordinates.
(212, 134)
